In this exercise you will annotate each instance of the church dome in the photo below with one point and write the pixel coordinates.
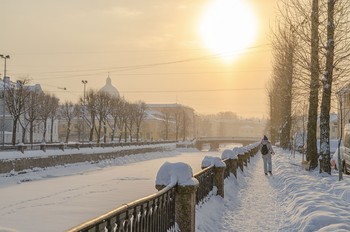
(109, 88)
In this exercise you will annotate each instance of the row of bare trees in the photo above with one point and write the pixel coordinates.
(95, 118)
(311, 49)
(29, 108)
(176, 123)
(100, 111)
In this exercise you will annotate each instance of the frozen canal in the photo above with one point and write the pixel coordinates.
(57, 199)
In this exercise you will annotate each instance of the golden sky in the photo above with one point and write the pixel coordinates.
(153, 51)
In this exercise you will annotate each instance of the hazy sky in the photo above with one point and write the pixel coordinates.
(152, 50)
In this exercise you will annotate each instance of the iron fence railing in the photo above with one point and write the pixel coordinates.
(206, 183)
(153, 213)
(64, 146)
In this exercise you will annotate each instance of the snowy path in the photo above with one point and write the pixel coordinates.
(293, 200)
(259, 206)
(251, 203)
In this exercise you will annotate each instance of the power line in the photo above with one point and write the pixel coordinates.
(142, 66)
(183, 90)
(191, 90)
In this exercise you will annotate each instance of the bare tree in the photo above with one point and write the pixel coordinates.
(129, 120)
(68, 112)
(284, 46)
(49, 104)
(166, 116)
(140, 114)
(114, 112)
(336, 51)
(103, 100)
(303, 18)
(16, 95)
(185, 123)
(177, 118)
(53, 115)
(90, 111)
(32, 112)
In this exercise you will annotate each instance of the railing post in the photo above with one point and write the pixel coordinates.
(185, 207)
(246, 158)
(20, 147)
(240, 161)
(185, 192)
(233, 164)
(219, 180)
(61, 146)
(43, 147)
(77, 146)
(232, 160)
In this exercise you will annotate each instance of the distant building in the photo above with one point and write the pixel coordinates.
(168, 122)
(109, 88)
(234, 127)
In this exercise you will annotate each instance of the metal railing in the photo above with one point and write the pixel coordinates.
(228, 168)
(153, 213)
(64, 146)
(206, 183)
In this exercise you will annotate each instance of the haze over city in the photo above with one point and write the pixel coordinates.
(155, 51)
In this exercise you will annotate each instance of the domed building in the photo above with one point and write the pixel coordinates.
(109, 88)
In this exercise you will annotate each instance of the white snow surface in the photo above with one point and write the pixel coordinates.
(238, 150)
(58, 198)
(212, 161)
(228, 154)
(176, 173)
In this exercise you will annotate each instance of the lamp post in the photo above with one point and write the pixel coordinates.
(84, 83)
(5, 57)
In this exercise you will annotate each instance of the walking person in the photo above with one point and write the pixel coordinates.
(266, 151)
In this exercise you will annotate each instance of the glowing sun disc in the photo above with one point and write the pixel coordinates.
(228, 27)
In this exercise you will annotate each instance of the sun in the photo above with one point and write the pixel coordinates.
(228, 27)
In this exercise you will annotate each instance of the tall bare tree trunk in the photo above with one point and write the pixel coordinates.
(51, 129)
(311, 150)
(327, 82)
(92, 128)
(14, 131)
(31, 132)
(45, 128)
(287, 103)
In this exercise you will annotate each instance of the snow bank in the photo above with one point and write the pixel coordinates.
(212, 161)
(175, 173)
(313, 201)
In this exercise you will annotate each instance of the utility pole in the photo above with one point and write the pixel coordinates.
(84, 83)
(5, 57)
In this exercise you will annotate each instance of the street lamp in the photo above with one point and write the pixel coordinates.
(5, 57)
(84, 83)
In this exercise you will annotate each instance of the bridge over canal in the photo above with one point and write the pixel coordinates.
(214, 142)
